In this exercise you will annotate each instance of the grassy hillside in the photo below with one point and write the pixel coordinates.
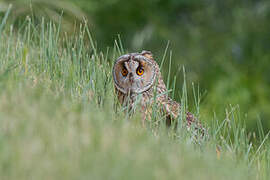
(59, 119)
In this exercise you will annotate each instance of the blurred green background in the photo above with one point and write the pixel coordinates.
(224, 45)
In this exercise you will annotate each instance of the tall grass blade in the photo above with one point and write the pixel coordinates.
(4, 20)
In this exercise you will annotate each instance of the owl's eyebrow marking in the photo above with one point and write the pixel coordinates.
(125, 65)
(141, 63)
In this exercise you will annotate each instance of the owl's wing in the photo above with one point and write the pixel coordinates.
(196, 125)
(172, 108)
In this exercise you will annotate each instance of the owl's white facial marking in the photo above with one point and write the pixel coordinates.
(140, 73)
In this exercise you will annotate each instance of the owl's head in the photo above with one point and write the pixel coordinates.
(134, 72)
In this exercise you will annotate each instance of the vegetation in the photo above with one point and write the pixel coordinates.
(59, 118)
(223, 44)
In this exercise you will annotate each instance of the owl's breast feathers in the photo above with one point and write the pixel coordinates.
(169, 107)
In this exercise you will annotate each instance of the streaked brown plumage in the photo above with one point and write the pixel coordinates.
(137, 78)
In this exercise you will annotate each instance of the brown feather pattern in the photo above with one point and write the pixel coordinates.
(146, 99)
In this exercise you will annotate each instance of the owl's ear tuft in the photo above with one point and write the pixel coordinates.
(147, 54)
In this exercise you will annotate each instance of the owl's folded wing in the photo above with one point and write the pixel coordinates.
(172, 110)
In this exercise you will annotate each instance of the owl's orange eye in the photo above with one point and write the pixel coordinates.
(124, 72)
(140, 71)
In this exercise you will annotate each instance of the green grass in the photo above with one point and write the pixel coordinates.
(59, 119)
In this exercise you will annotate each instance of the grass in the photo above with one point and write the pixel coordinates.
(59, 118)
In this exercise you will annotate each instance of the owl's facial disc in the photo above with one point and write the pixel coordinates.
(133, 73)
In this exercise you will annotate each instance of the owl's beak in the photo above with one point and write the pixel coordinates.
(131, 78)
